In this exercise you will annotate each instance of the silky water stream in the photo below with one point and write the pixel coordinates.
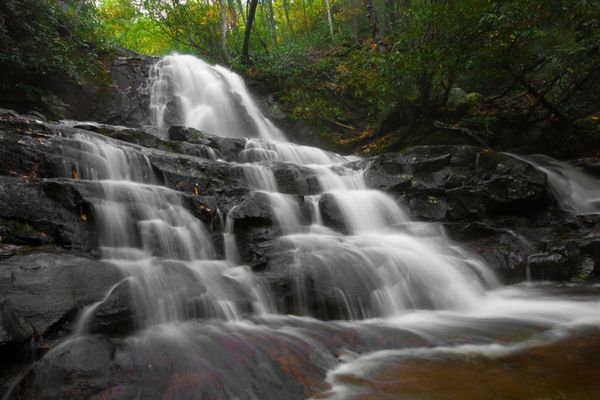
(389, 309)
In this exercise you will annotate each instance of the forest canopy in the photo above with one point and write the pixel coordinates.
(360, 67)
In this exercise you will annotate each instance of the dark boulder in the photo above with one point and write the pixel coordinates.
(295, 179)
(451, 183)
(28, 148)
(182, 133)
(79, 368)
(45, 212)
(255, 228)
(115, 315)
(43, 291)
(205, 145)
(549, 246)
(208, 188)
(137, 136)
(331, 213)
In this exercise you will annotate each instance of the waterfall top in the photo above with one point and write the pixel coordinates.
(185, 90)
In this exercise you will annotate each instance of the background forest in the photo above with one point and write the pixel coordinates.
(364, 74)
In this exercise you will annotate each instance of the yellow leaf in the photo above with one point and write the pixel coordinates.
(83, 217)
(196, 190)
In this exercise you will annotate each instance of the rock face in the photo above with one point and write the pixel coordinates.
(254, 228)
(492, 203)
(452, 183)
(42, 292)
(497, 205)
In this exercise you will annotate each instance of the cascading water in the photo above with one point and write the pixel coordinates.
(211, 328)
(188, 91)
(146, 230)
(575, 190)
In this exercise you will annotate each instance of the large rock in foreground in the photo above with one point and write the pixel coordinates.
(42, 293)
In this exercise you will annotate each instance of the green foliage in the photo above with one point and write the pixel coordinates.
(533, 62)
(39, 40)
(38, 37)
(123, 24)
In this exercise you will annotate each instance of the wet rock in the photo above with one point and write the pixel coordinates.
(254, 227)
(590, 165)
(228, 149)
(115, 316)
(42, 291)
(331, 213)
(431, 208)
(451, 183)
(544, 266)
(28, 149)
(182, 133)
(256, 209)
(549, 246)
(127, 100)
(206, 145)
(77, 369)
(13, 328)
(131, 135)
(196, 176)
(295, 179)
(35, 213)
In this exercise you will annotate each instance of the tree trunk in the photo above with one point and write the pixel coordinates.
(271, 19)
(425, 86)
(242, 13)
(305, 16)
(223, 13)
(373, 24)
(390, 14)
(354, 4)
(286, 9)
(329, 19)
(79, 6)
(246, 43)
(233, 13)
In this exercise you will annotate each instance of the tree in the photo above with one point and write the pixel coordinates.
(223, 14)
(329, 19)
(373, 23)
(245, 57)
(286, 10)
(271, 19)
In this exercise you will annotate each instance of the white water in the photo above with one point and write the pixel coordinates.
(575, 190)
(393, 277)
(209, 98)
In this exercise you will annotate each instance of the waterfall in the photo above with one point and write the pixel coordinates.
(358, 275)
(186, 90)
(147, 231)
(383, 265)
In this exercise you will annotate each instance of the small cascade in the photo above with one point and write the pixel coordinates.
(147, 231)
(385, 265)
(576, 191)
(187, 91)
